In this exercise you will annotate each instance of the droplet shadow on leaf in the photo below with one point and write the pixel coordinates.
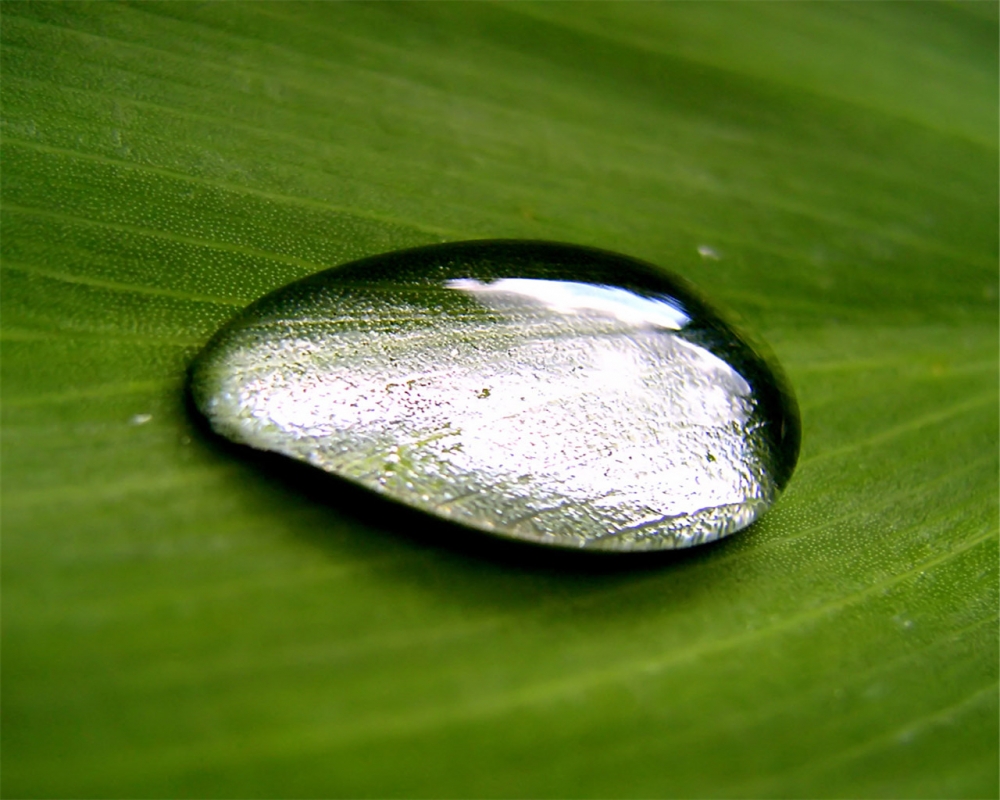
(380, 516)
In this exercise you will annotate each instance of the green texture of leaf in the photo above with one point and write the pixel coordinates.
(181, 621)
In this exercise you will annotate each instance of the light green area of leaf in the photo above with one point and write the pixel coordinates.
(180, 622)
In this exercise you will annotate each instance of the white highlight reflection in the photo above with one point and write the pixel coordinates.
(572, 297)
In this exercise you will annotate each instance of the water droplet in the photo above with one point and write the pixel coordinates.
(543, 392)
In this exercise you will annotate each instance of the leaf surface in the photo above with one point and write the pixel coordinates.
(183, 621)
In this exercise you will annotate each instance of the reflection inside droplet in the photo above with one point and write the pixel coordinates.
(478, 383)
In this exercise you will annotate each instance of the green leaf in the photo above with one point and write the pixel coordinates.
(182, 621)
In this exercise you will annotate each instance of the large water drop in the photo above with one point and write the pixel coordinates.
(543, 392)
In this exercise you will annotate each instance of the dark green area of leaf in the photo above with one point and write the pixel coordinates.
(181, 622)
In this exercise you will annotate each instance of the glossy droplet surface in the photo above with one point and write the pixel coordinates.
(543, 392)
